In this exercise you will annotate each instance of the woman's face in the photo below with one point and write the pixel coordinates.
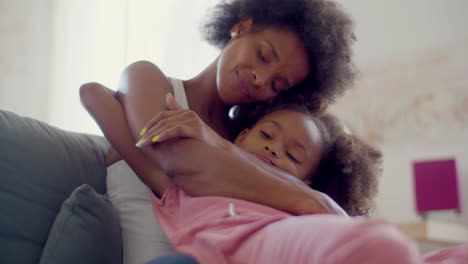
(257, 65)
(285, 139)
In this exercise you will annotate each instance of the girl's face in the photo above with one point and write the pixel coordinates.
(257, 65)
(285, 139)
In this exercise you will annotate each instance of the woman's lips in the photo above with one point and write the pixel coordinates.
(243, 85)
(264, 158)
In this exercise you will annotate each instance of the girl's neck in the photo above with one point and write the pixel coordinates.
(203, 98)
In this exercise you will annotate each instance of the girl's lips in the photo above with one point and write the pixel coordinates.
(243, 85)
(264, 158)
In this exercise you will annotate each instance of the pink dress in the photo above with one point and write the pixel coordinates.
(225, 230)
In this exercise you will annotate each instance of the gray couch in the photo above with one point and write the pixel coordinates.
(53, 207)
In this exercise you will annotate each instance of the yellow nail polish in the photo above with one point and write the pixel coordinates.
(143, 131)
(140, 143)
(155, 139)
(169, 95)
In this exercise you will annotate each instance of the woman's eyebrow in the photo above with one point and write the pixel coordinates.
(277, 125)
(273, 50)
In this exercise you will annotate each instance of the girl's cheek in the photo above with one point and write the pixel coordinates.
(290, 169)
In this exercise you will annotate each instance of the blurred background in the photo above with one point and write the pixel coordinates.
(411, 98)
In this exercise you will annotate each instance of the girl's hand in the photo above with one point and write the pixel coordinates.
(175, 123)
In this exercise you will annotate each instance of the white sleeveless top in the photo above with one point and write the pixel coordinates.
(143, 238)
(179, 92)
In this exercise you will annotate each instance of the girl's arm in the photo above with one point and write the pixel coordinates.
(110, 116)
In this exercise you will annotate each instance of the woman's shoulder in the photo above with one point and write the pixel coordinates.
(146, 73)
(143, 67)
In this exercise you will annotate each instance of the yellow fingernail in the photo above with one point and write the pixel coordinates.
(155, 139)
(169, 95)
(143, 131)
(140, 143)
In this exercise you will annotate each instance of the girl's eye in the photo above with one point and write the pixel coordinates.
(265, 135)
(292, 157)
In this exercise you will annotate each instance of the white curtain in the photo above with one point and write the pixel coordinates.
(94, 40)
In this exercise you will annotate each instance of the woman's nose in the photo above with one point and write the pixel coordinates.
(273, 152)
(260, 78)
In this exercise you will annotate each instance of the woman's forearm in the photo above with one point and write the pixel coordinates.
(201, 169)
(110, 116)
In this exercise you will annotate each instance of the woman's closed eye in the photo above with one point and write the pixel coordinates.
(274, 88)
(261, 56)
(265, 134)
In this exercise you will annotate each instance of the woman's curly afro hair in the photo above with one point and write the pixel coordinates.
(327, 33)
(349, 168)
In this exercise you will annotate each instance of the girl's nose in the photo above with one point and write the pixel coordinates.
(271, 150)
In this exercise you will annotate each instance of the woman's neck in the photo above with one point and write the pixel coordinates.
(203, 98)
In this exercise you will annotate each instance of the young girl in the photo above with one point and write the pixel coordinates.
(343, 166)
(226, 230)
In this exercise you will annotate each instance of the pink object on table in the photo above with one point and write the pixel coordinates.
(436, 185)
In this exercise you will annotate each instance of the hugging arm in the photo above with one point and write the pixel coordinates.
(232, 172)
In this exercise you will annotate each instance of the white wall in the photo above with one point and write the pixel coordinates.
(398, 28)
(96, 40)
(411, 99)
(88, 45)
(25, 56)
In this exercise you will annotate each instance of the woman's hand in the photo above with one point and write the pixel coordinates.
(178, 122)
(323, 204)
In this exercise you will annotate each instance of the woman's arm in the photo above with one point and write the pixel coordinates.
(211, 170)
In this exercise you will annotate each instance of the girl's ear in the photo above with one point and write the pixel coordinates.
(241, 136)
(242, 26)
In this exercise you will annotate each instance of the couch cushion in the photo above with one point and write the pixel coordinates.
(40, 166)
(86, 230)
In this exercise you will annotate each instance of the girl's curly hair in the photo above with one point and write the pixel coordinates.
(327, 33)
(349, 169)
